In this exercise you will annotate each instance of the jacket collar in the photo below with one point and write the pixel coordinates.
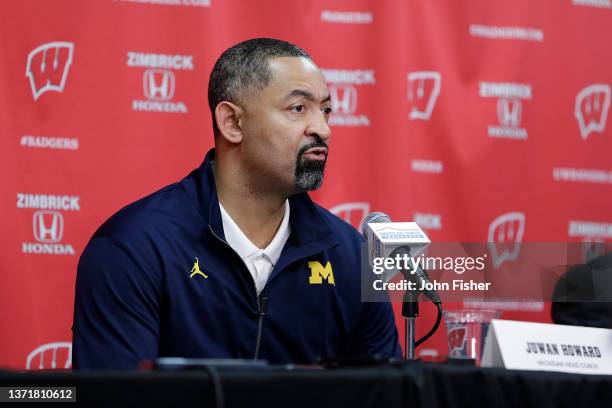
(308, 229)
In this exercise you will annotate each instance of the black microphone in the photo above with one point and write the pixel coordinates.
(419, 274)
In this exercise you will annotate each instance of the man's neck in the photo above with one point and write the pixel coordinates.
(258, 214)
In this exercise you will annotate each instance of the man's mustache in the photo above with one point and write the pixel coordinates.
(309, 146)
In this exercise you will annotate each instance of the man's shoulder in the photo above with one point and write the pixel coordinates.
(342, 228)
(150, 216)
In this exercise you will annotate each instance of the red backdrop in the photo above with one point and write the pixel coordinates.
(462, 115)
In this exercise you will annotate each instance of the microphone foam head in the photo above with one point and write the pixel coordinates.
(376, 217)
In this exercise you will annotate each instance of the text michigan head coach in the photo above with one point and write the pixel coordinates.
(235, 260)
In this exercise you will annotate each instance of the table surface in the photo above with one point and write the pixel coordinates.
(412, 384)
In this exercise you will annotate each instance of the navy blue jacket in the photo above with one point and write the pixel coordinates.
(138, 298)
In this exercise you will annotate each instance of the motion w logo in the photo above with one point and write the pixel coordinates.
(48, 66)
(592, 104)
(353, 213)
(457, 340)
(57, 355)
(423, 90)
(505, 236)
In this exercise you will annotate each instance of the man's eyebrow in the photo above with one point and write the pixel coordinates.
(307, 95)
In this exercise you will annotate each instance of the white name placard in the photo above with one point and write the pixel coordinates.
(548, 347)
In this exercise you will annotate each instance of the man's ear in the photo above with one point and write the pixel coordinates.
(228, 117)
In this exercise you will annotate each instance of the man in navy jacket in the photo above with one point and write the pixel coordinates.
(235, 260)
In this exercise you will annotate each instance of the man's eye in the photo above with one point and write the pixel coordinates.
(327, 111)
(297, 108)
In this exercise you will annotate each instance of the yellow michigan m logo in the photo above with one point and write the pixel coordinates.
(318, 273)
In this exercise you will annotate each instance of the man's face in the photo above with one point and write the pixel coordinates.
(285, 127)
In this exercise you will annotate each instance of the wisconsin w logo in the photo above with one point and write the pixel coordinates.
(592, 104)
(50, 356)
(48, 67)
(423, 91)
(318, 273)
(505, 236)
(457, 340)
(353, 213)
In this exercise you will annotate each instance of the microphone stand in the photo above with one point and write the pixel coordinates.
(410, 311)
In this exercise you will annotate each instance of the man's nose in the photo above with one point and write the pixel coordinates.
(319, 128)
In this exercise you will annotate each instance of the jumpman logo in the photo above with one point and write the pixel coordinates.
(196, 270)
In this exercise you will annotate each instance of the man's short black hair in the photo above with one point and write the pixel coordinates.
(244, 67)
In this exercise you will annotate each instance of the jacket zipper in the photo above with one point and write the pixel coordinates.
(261, 302)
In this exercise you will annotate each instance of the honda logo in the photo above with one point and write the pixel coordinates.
(48, 226)
(353, 213)
(423, 90)
(509, 112)
(505, 236)
(343, 98)
(592, 104)
(49, 355)
(48, 66)
(158, 84)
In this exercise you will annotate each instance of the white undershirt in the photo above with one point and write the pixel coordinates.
(258, 261)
